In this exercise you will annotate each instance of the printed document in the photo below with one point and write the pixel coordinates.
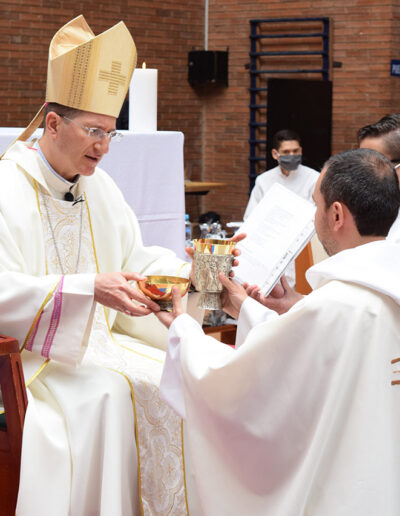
(277, 230)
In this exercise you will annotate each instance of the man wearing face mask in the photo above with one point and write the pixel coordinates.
(286, 149)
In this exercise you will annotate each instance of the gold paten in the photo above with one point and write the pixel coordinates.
(159, 289)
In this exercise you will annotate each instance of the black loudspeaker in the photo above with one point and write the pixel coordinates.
(208, 67)
(305, 106)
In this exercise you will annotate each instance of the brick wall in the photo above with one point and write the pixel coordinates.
(365, 38)
(164, 31)
(395, 81)
(215, 123)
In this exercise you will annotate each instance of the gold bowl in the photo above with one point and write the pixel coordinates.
(159, 289)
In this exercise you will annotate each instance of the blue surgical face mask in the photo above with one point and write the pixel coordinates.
(290, 162)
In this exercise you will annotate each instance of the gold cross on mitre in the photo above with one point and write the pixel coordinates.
(75, 56)
(115, 77)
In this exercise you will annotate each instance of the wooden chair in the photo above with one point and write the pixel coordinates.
(11, 423)
(303, 262)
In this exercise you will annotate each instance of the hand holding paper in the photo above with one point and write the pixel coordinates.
(281, 298)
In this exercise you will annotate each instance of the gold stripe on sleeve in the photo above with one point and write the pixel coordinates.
(35, 320)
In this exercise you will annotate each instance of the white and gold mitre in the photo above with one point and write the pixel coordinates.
(88, 72)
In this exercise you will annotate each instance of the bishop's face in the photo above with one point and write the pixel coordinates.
(78, 152)
(321, 220)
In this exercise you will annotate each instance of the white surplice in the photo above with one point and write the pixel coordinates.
(95, 431)
(300, 181)
(303, 418)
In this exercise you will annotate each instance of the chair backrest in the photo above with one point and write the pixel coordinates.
(302, 263)
(11, 422)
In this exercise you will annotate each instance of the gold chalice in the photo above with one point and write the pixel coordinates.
(159, 289)
(211, 256)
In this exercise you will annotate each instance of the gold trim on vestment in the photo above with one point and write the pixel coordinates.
(35, 320)
(122, 374)
(91, 234)
(33, 377)
(136, 435)
(184, 469)
(130, 384)
(41, 216)
(37, 196)
(133, 351)
(37, 373)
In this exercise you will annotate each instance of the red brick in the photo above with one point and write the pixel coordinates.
(215, 120)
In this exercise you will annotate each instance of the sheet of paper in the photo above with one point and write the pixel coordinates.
(277, 230)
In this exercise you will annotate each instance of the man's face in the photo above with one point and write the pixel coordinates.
(289, 156)
(80, 153)
(321, 220)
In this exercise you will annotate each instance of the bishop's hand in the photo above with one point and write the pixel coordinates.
(114, 290)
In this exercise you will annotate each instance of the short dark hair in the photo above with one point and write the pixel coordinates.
(284, 135)
(61, 110)
(387, 127)
(366, 182)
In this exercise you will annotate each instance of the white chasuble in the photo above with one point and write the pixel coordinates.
(68, 236)
(83, 453)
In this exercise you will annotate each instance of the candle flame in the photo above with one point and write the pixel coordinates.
(144, 65)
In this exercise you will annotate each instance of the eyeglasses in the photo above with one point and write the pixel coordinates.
(97, 133)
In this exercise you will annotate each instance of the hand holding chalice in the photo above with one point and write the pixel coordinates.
(211, 257)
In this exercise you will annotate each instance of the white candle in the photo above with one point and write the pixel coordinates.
(143, 100)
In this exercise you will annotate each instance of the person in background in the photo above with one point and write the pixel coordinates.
(290, 173)
(384, 136)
